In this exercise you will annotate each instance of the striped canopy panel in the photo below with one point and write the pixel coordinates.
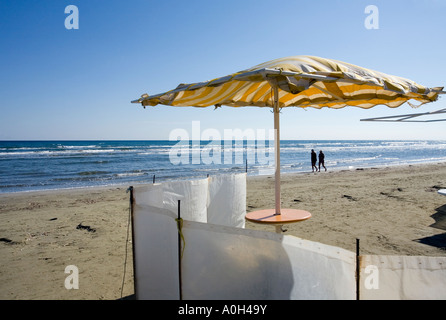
(302, 81)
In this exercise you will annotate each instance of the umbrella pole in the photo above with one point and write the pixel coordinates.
(276, 216)
(277, 148)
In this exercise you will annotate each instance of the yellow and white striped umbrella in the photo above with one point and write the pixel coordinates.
(298, 81)
(302, 81)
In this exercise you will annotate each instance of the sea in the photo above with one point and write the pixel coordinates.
(48, 165)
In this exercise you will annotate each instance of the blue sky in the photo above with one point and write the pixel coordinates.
(61, 84)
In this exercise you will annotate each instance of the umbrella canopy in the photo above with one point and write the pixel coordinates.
(302, 81)
(297, 81)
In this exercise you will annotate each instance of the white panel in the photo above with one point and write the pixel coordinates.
(403, 277)
(227, 200)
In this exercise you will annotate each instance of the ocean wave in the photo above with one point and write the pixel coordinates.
(42, 165)
(92, 173)
(359, 159)
(48, 153)
(130, 174)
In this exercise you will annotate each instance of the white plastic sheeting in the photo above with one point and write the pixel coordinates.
(155, 248)
(221, 260)
(227, 200)
(232, 263)
(220, 199)
(403, 277)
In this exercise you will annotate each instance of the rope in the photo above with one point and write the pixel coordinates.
(180, 227)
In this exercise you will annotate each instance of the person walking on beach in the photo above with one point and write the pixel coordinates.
(313, 160)
(321, 160)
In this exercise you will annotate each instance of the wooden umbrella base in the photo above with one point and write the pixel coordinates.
(286, 216)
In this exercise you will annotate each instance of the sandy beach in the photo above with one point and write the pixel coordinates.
(393, 211)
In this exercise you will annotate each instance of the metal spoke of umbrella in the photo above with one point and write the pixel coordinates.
(409, 117)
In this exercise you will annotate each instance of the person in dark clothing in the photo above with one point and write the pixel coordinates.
(313, 160)
(321, 160)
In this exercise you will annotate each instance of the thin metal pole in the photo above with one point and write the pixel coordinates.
(358, 269)
(179, 251)
(132, 203)
(277, 148)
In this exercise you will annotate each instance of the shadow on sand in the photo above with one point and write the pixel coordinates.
(438, 240)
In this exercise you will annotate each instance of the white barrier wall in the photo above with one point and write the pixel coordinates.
(155, 247)
(232, 263)
(155, 231)
(222, 260)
